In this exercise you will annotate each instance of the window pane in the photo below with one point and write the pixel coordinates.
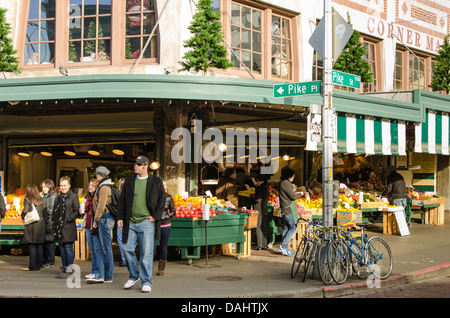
(276, 26)
(31, 55)
(90, 7)
(287, 49)
(246, 39)
(216, 5)
(47, 9)
(235, 37)
(90, 28)
(149, 22)
(235, 14)
(32, 31)
(74, 51)
(47, 53)
(133, 24)
(48, 30)
(256, 41)
(104, 7)
(246, 17)
(34, 10)
(104, 27)
(398, 58)
(257, 65)
(246, 59)
(286, 29)
(75, 29)
(77, 3)
(256, 20)
(133, 48)
(151, 48)
(89, 51)
(235, 60)
(398, 73)
(103, 50)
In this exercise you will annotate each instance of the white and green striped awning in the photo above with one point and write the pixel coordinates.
(366, 135)
(432, 136)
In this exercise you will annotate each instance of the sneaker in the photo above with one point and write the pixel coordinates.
(290, 252)
(95, 280)
(270, 245)
(88, 276)
(130, 283)
(283, 251)
(146, 289)
(48, 266)
(108, 281)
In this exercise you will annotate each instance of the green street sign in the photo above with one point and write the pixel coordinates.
(294, 89)
(345, 79)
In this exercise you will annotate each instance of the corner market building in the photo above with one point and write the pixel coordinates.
(140, 112)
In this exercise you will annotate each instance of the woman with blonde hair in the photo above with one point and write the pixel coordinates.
(88, 217)
(34, 233)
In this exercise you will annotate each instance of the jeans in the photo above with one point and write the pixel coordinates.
(67, 254)
(119, 240)
(105, 258)
(163, 243)
(49, 253)
(142, 234)
(90, 240)
(35, 251)
(290, 228)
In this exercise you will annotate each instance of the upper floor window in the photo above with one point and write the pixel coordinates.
(416, 72)
(40, 33)
(262, 39)
(90, 31)
(81, 32)
(372, 57)
(412, 70)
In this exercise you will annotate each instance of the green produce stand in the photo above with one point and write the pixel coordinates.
(221, 229)
(11, 234)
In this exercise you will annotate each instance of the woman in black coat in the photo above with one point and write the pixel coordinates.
(66, 210)
(34, 233)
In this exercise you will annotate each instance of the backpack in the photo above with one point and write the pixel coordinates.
(115, 194)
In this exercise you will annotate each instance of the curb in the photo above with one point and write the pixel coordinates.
(353, 289)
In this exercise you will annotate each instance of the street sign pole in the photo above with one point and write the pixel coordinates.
(327, 154)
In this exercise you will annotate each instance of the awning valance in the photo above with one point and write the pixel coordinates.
(432, 136)
(366, 135)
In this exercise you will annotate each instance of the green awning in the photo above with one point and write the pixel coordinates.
(432, 136)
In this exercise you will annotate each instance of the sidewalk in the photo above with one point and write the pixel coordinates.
(423, 254)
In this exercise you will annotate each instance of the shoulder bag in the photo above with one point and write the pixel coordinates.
(32, 216)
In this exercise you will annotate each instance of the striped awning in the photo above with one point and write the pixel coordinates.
(366, 135)
(432, 136)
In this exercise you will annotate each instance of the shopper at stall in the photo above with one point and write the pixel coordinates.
(396, 188)
(104, 221)
(65, 212)
(91, 239)
(122, 262)
(169, 212)
(34, 233)
(227, 189)
(140, 209)
(261, 199)
(288, 209)
(49, 193)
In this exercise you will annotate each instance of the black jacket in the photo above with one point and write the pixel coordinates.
(69, 230)
(169, 210)
(261, 198)
(34, 233)
(156, 201)
(395, 184)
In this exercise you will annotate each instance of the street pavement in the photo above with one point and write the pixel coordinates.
(423, 254)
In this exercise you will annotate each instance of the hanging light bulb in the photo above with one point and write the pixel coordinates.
(70, 151)
(46, 152)
(23, 153)
(94, 151)
(118, 151)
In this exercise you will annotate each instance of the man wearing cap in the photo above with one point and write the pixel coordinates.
(140, 209)
(104, 221)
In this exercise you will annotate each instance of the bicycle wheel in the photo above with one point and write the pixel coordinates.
(338, 261)
(309, 258)
(379, 257)
(360, 269)
(322, 263)
(299, 257)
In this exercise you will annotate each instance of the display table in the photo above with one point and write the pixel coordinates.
(11, 232)
(222, 229)
(431, 210)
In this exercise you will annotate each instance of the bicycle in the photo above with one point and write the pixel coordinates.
(365, 255)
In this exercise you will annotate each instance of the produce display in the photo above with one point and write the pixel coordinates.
(192, 207)
(14, 205)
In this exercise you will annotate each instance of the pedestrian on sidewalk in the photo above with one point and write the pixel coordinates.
(88, 221)
(261, 199)
(104, 221)
(34, 233)
(396, 188)
(140, 209)
(122, 262)
(169, 212)
(288, 209)
(49, 193)
(65, 212)
(2, 209)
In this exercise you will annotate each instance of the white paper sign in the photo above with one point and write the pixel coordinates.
(401, 223)
(208, 193)
(184, 195)
(205, 209)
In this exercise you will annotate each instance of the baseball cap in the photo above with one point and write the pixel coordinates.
(142, 160)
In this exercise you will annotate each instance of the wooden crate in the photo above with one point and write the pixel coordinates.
(373, 205)
(390, 223)
(81, 247)
(17, 221)
(296, 239)
(434, 216)
(230, 248)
